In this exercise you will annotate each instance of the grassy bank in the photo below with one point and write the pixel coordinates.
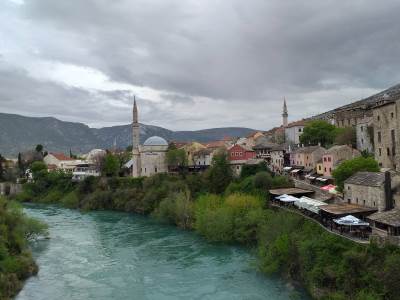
(235, 211)
(16, 263)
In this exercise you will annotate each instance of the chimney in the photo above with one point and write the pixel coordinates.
(388, 191)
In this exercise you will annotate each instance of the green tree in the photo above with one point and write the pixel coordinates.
(250, 170)
(39, 148)
(20, 163)
(39, 169)
(2, 161)
(176, 158)
(346, 136)
(318, 131)
(219, 175)
(110, 166)
(352, 166)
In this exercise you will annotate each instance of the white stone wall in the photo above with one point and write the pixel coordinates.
(363, 138)
(153, 160)
(292, 134)
(369, 196)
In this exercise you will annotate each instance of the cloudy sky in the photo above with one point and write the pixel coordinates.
(195, 63)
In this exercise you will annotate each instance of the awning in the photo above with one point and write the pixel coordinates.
(295, 171)
(350, 221)
(328, 187)
(309, 204)
(322, 179)
(287, 198)
(287, 168)
(307, 176)
(312, 177)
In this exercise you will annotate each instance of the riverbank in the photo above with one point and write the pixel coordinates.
(16, 262)
(329, 266)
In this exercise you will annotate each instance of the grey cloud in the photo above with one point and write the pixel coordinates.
(249, 53)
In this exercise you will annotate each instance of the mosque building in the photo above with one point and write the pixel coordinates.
(150, 158)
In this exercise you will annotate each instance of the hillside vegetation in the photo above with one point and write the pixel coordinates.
(16, 263)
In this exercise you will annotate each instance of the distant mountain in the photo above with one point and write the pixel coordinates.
(19, 133)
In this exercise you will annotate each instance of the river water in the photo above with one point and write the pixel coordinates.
(111, 255)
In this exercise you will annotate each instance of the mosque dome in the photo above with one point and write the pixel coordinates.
(155, 141)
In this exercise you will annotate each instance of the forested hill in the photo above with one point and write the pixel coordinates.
(20, 133)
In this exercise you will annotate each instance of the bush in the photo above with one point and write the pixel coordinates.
(16, 263)
(176, 209)
(230, 219)
(70, 200)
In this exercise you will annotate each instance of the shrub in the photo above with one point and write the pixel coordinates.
(70, 200)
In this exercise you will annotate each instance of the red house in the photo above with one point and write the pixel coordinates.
(240, 152)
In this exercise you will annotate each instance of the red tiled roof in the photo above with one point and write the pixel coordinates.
(297, 123)
(61, 156)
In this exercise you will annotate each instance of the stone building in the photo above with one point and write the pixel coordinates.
(150, 158)
(386, 126)
(60, 161)
(365, 135)
(277, 161)
(307, 157)
(335, 155)
(370, 189)
(293, 131)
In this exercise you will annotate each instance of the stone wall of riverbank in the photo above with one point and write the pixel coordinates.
(10, 189)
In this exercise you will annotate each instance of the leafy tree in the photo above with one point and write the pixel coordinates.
(318, 131)
(2, 160)
(110, 165)
(263, 181)
(219, 175)
(39, 148)
(352, 166)
(20, 163)
(39, 169)
(176, 158)
(250, 170)
(346, 136)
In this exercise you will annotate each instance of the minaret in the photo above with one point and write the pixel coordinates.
(136, 172)
(284, 114)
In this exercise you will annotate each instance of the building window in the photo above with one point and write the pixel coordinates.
(348, 187)
(324, 169)
(392, 115)
(330, 170)
(362, 128)
(374, 203)
(348, 201)
(348, 121)
(362, 141)
(388, 151)
(378, 118)
(299, 129)
(364, 202)
(379, 137)
(145, 170)
(380, 151)
(155, 169)
(357, 200)
(329, 159)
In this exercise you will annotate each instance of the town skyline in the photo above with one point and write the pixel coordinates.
(187, 71)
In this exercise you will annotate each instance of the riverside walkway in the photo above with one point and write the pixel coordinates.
(295, 211)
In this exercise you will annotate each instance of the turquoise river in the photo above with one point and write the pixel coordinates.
(111, 255)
